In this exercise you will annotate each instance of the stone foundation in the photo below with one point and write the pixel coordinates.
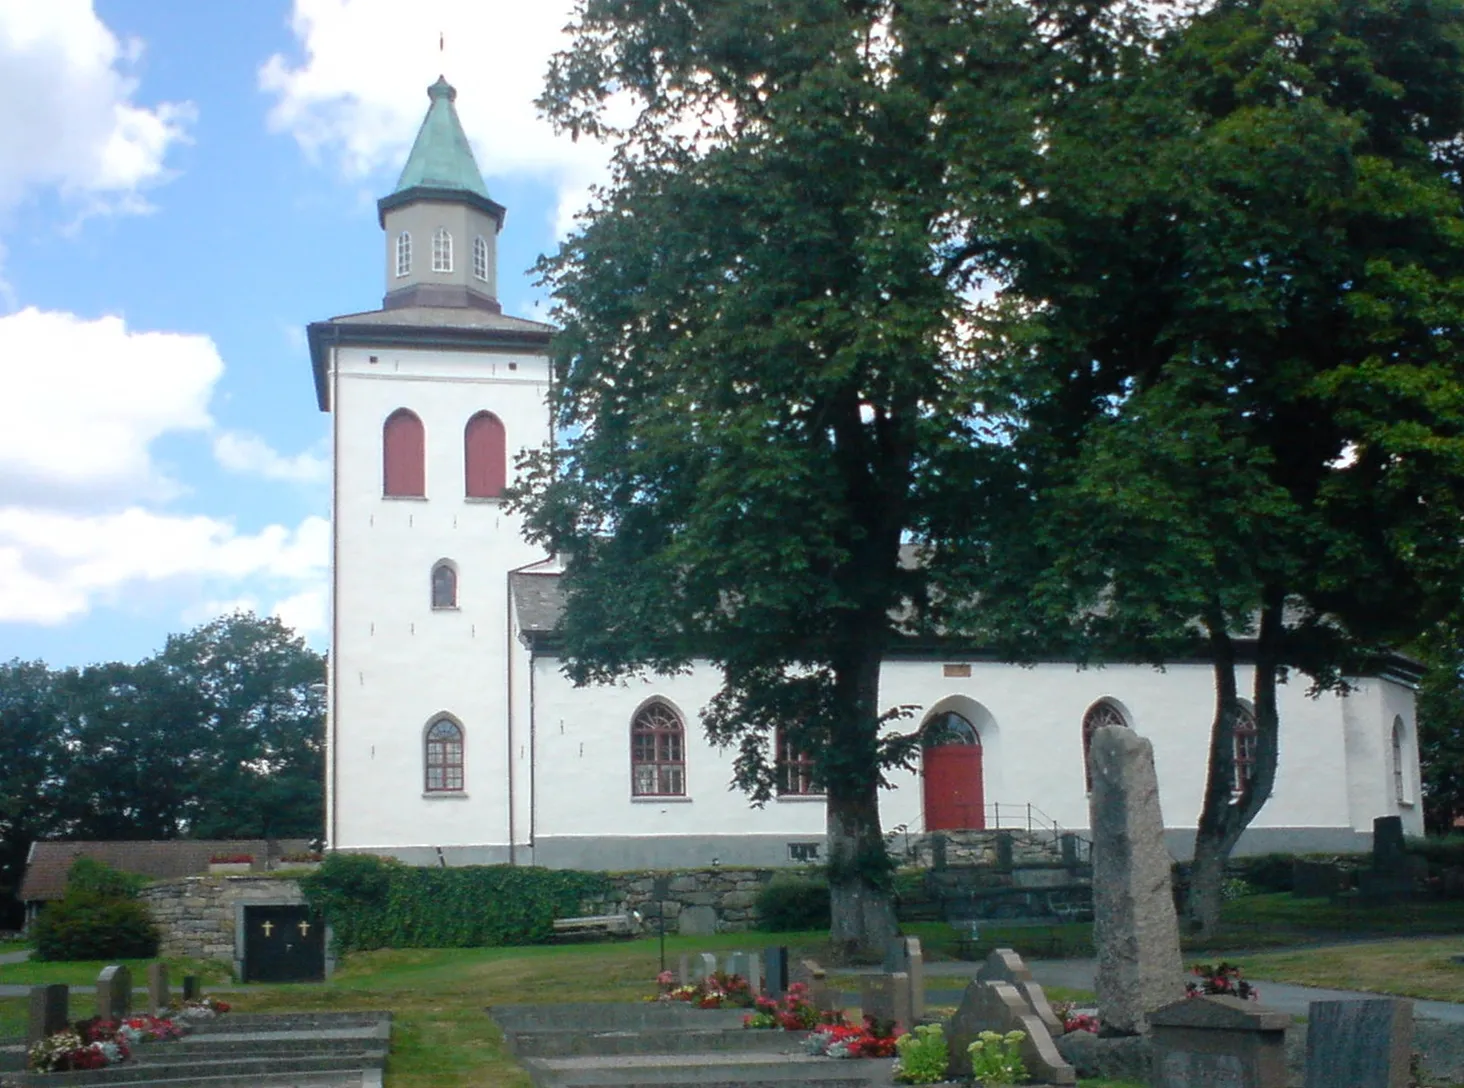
(196, 915)
(732, 893)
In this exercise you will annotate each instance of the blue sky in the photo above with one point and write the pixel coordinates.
(183, 187)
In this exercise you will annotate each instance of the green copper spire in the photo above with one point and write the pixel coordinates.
(441, 158)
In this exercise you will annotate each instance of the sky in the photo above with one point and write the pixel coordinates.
(183, 188)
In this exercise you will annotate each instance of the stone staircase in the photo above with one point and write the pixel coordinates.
(240, 1050)
(667, 1045)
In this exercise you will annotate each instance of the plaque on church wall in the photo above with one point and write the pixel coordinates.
(957, 670)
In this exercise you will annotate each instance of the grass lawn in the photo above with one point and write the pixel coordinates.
(84, 972)
(13, 946)
(1279, 920)
(1421, 968)
(13, 1015)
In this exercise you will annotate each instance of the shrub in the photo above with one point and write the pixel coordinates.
(101, 879)
(924, 1055)
(788, 903)
(375, 902)
(1264, 872)
(1443, 851)
(86, 926)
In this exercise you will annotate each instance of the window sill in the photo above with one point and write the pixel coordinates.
(446, 608)
(801, 798)
(483, 498)
(1406, 804)
(445, 795)
(404, 498)
(660, 799)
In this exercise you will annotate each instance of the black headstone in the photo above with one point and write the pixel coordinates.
(192, 991)
(1388, 854)
(775, 971)
(937, 851)
(1003, 850)
(1359, 1044)
(49, 1012)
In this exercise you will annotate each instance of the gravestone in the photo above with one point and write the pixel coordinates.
(192, 990)
(887, 997)
(1004, 965)
(49, 1012)
(1388, 853)
(1069, 846)
(998, 1007)
(1359, 1044)
(703, 965)
(904, 954)
(683, 971)
(815, 978)
(938, 851)
(114, 993)
(697, 921)
(158, 997)
(1315, 879)
(1135, 930)
(775, 960)
(1218, 1042)
(1003, 850)
(746, 964)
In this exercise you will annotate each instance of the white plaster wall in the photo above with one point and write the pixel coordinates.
(397, 662)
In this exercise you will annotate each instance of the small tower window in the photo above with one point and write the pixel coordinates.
(404, 254)
(480, 258)
(441, 250)
(444, 585)
(444, 757)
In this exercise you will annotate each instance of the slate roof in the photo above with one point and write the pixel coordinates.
(49, 862)
(444, 317)
(538, 601)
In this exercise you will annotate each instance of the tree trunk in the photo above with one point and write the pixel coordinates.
(1227, 813)
(861, 898)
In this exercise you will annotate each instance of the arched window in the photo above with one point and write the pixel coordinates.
(444, 585)
(1100, 714)
(480, 258)
(795, 770)
(404, 254)
(657, 752)
(441, 250)
(1400, 780)
(950, 729)
(444, 762)
(404, 471)
(484, 457)
(1244, 740)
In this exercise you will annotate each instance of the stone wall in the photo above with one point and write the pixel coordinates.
(196, 915)
(731, 893)
(938, 849)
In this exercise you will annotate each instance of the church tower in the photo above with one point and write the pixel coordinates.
(431, 398)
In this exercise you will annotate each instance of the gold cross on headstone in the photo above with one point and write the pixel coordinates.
(304, 928)
(268, 928)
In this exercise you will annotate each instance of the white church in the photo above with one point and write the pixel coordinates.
(454, 737)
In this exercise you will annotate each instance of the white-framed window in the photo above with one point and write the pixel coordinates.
(441, 250)
(404, 254)
(1100, 714)
(480, 258)
(1244, 740)
(1400, 775)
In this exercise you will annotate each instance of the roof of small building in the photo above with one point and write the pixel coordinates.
(443, 317)
(441, 156)
(49, 862)
(538, 600)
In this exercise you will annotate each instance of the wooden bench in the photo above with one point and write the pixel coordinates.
(597, 925)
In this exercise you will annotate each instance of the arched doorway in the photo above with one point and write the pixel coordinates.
(954, 795)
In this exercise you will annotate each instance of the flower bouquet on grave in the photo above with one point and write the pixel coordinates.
(1222, 980)
(872, 1039)
(205, 1008)
(90, 1045)
(996, 1060)
(147, 1029)
(794, 1013)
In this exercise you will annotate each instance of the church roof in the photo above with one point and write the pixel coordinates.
(441, 165)
(441, 157)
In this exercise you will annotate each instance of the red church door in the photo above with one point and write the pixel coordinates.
(954, 797)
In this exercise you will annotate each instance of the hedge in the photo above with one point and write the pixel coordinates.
(372, 902)
(788, 903)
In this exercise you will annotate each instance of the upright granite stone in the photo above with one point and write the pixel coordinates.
(1004, 965)
(775, 960)
(683, 971)
(815, 978)
(998, 1007)
(158, 995)
(703, 965)
(1359, 1044)
(1135, 929)
(1218, 1042)
(49, 1012)
(887, 998)
(904, 955)
(114, 993)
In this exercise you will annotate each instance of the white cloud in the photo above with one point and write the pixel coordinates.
(249, 454)
(54, 566)
(86, 400)
(72, 122)
(305, 611)
(359, 94)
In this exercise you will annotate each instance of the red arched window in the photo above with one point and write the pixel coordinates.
(484, 456)
(1245, 740)
(444, 757)
(795, 770)
(657, 752)
(404, 460)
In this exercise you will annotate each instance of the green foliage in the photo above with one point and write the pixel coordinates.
(99, 878)
(1264, 872)
(924, 1054)
(84, 925)
(374, 902)
(1441, 723)
(996, 1060)
(1442, 851)
(789, 903)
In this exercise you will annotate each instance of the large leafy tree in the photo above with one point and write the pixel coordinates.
(760, 373)
(1232, 335)
(30, 756)
(1441, 723)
